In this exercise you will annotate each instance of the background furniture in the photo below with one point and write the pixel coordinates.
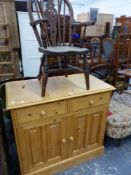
(124, 23)
(123, 58)
(101, 26)
(108, 49)
(119, 122)
(30, 60)
(127, 76)
(95, 51)
(62, 129)
(106, 69)
(7, 60)
(8, 16)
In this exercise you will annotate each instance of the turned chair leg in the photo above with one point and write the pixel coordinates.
(66, 66)
(40, 68)
(44, 76)
(86, 71)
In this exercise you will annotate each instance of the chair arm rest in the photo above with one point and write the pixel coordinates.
(33, 23)
(82, 24)
(100, 66)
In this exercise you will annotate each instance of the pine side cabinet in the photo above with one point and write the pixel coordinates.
(62, 129)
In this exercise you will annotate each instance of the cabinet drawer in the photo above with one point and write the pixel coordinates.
(90, 101)
(39, 112)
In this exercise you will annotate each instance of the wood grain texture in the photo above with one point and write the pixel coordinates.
(58, 88)
(10, 18)
(54, 134)
(9, 57)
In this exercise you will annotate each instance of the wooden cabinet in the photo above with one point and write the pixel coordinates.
(42, 144)
(84, 132)
(65, 127)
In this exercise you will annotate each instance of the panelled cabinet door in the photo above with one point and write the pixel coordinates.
(96, 127)
(42, 144)
(85, 131)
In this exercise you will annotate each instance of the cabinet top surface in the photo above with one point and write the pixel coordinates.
(28, 92)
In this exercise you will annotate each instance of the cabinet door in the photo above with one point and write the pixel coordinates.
(41, 144)
(86, 131)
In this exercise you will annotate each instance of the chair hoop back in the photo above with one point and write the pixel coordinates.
(51, 21)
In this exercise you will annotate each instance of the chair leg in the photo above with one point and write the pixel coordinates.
(40, 68)
(44, 76)
(66, 66)
(117, 142)
(86, 71)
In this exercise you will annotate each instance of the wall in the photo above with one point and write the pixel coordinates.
(116, 7)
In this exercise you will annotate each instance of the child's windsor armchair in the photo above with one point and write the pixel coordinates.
(51, 29)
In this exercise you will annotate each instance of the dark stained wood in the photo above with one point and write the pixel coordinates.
(54, 24)
(106, 67)
(125, 23)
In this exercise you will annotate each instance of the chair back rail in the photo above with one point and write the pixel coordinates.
(123, 50)
(108, 47)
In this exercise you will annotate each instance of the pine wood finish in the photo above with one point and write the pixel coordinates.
(63, 128)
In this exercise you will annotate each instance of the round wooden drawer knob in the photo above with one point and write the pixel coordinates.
(71, 138)
(63, 140)
(42, 113)
(91, 102)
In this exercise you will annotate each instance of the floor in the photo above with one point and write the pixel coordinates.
(115, 161)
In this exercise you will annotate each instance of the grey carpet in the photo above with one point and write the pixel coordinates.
(115, 161)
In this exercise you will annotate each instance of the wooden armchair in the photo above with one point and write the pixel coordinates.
(105, 69)
(105, 72)
(50, 31)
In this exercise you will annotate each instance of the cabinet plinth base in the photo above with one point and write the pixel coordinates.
(68, 163)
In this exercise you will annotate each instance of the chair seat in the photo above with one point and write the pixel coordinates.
(60, 50)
